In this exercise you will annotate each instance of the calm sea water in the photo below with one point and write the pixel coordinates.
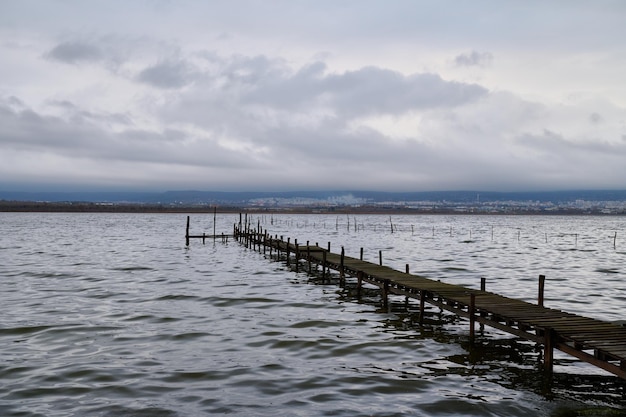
(112, 315)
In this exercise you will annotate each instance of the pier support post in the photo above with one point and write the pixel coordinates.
(472, 317)
(323, 265)
(297, 253)
(361, 258)
(542, 284)
(385, 294)
(380, 257)
(342, 274)
(422, 303)
(288, 248)
(548, 349)
(308, 255)
(359, 284)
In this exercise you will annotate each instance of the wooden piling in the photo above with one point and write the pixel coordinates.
(472, 317)
(295, 242)
(548, 350)
(542, 284)
(187, 232)
(308, 255)
(342, 272)
(341, 268)
(324, 265)
(422, 306)
(385, 294)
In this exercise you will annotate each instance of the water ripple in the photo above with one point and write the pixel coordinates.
(130, 322)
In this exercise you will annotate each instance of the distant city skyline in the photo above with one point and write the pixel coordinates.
(241, 95)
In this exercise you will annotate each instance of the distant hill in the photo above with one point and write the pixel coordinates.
(243, 198)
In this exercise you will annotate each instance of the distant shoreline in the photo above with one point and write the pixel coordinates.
(89, 207)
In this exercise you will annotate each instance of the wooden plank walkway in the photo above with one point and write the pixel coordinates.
(597, 342)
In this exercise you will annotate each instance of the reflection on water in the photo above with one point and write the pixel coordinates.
(110, 314)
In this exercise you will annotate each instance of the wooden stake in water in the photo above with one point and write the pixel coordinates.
(542, 283)
(187, 232)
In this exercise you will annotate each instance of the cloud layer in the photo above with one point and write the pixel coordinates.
(226, 106)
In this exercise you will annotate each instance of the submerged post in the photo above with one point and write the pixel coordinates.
(385, 294)
(214, 218)
(422, 302)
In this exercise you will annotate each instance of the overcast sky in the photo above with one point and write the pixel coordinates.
(291, 95)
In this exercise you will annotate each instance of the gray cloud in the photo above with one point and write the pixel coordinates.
(474, 59)
(167, 74)
(86, 135)
(595, 118)
(259, 82)
(75, 52)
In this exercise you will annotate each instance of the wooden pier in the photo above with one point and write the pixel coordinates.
(600, 343)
